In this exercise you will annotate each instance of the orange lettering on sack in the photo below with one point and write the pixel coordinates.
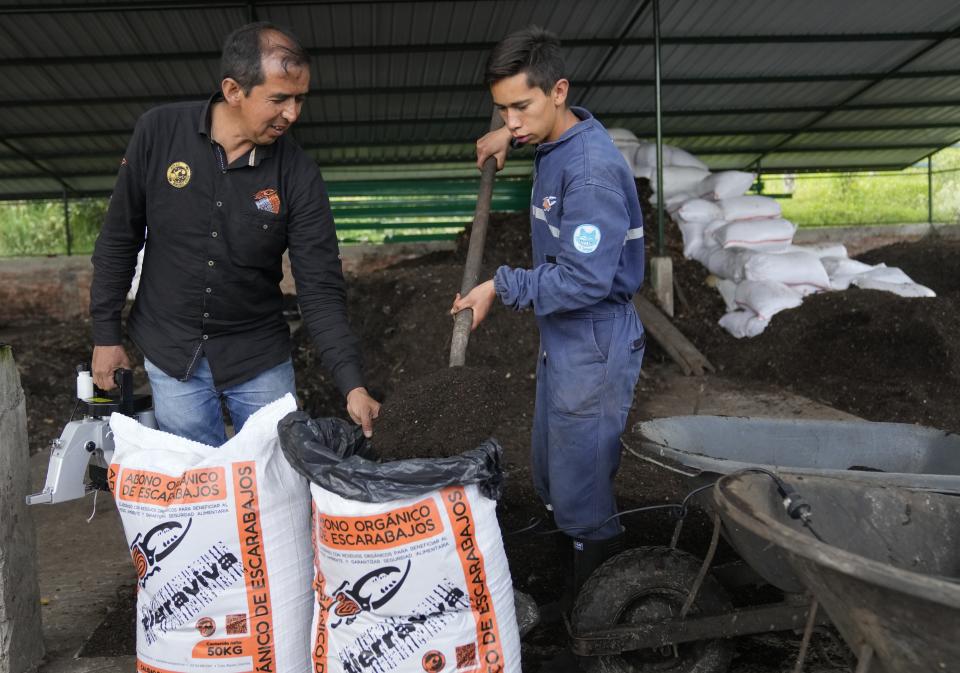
(155, 488)
(395, 528)
(489, 650)
(320, 641)
(260, 642)
(219, 649)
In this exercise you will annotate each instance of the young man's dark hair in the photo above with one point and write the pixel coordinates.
(532, 50)
(246, 47)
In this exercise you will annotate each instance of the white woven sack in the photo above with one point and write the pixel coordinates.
(699, 210)
(672, 156)
(692, 233)
(725, 184)
(822, 249)
(767, 235)
(749, 207)
(790, 268)
(884, 274)
(842, 270)
(220, 539)
(412, 585)
(902, 289)
(742, 324)
(728, 292)
(727, 263)
(675, 201)
(766, 298)
(679, 179)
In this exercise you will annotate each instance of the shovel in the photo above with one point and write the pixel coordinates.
(471, 269)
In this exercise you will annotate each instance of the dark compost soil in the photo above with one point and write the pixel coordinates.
(869, 353)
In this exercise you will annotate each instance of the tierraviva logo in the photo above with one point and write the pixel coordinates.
(159, 542)
(188, 592)
(370, 592)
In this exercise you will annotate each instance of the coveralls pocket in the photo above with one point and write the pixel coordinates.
(576, 362)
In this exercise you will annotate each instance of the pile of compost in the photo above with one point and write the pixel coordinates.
(869, 353)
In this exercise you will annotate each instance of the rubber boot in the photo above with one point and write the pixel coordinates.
(588, 555)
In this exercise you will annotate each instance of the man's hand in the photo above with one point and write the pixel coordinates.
(493, 144)
(480, 299)
(362, 409)
(107, 359)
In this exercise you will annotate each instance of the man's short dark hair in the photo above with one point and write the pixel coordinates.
(247, 46)
(532, 50)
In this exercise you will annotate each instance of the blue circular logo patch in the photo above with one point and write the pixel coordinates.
(586, 238)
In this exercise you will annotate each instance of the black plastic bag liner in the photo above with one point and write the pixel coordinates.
(333, 454)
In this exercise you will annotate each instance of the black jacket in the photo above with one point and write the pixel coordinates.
(213, 258)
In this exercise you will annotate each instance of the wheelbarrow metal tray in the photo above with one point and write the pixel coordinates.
(887, 571)
(897, 453)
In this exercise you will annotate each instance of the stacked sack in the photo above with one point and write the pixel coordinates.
(746, 244)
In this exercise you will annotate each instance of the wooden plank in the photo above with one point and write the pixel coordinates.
(677, 346)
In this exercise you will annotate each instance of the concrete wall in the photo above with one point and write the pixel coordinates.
(21, 638)
(58, 288)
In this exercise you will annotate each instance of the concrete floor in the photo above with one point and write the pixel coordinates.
(82, 565)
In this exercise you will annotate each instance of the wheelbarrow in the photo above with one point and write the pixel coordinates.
(662, 609)
(883, 560)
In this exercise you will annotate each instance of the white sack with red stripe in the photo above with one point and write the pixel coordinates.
(749, 207)
(412, 585)
(220, 539)
(790, 268)
(770, 235)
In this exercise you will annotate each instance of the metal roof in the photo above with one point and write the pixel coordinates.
(396, 85)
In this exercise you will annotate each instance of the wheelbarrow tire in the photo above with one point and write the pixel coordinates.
(647, 585)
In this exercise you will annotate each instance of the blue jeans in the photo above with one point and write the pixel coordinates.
(191, 408)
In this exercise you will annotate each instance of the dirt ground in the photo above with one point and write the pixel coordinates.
(869, 353)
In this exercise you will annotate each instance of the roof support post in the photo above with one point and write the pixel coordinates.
(659, 117)
(66, 222)
(661, 266)
(930, 189)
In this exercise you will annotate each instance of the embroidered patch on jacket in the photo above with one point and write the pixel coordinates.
(267, 200)
(178, 174)
(549, 202)
(586, 238)
(123, 162)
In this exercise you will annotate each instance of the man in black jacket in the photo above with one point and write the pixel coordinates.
(223, 192)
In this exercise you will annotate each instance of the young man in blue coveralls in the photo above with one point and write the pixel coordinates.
(587, 234)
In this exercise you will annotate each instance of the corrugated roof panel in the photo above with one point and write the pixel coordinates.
(905, 115)
(706, 144)
(724, 162)
(688, 98)
(714, 123)
(813, 17)
(829, 160)
(913, 90)
(935, 137)
(12, 187)
(117, 32)
(943, 56)
(760, 60)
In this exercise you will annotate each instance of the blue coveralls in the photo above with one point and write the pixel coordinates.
(587, 233)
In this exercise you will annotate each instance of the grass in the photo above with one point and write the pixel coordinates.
(825, 199)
